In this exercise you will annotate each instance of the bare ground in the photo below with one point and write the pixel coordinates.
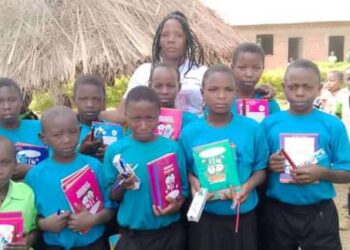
(340, 201)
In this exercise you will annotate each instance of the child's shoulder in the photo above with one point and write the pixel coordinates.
(30, 123)
(87, 159)
(194, 126)
(21, 189)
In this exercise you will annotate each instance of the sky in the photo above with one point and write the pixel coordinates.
(280, 11)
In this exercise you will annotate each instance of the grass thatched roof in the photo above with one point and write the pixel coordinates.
(50, 41)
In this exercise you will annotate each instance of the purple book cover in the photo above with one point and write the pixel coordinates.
(164, 179)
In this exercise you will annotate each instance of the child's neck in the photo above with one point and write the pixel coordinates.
(11, 125)
(64, 159)
(175, 62)
(245, 93)
(88, 123)
(219, 120)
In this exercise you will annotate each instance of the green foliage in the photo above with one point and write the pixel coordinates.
(46, 98)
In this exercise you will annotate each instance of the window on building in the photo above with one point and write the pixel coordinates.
(336, 45)
(294, 48)
(266, 43)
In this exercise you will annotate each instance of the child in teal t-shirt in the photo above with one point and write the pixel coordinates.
(61, 227)
(11, 126)
(248, 63)
(143, 225)
(215, 229)
(300, 212)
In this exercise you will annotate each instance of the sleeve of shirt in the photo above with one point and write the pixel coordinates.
(33, 213)
(104, 190)
(260, 149)
(138, 78)
(187, 151)
(109, 171)
(183, 172)
(273, 106)
(340, 148)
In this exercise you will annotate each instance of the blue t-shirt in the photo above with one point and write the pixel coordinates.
(332, 137)
(45, 180)
(251, 147)
(273, 105)
(27, 132)
(187, 118)
(84, 131)
(135, 208)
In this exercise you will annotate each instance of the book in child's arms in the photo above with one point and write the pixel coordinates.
(300, 148)
(106, 131)
(216, 166)
(164, 179)
(170, 122)
(82, 191)
(31, 155)
(11, 227)
(256, 109)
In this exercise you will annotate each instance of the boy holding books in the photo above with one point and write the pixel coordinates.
(144, 225)
(300, 211)
(16, 197)
(89, 97)
(11, 126)
(62, 228)
(247, 65)
(216, 229)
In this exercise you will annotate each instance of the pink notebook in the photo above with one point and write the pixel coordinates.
(81, 189)
(170, 123)
(11, 227)
(164, 179)
(256, 109)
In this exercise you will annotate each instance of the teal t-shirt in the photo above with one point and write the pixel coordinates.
(45, 180)
(135, 209)
(273, 105)
(332, 137)
(27, 132)
(251, 148)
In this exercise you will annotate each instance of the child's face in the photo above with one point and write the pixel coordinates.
(90, 102)
(248, 69)
(219, 93)
(62, 135)
(301, 89)
(142, 118)
(172, 40)
(333, 82)
(165, 83)
(7, 163)
(10, 104)
(347, 77)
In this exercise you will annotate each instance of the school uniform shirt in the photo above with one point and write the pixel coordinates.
(45, 180)
(84, 131)
(332, 137)
(27, 132)
(20, 197)
(273, 105)
(189, 98)
(135, 209)
(252, 154)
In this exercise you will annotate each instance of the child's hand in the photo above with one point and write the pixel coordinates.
(82, 221)
(266, 90)
(195, 186)
(276, 162)
(173, 207)
(89, 147)
(308, 174)
(54, 223)
(129, 183)
(101, 151)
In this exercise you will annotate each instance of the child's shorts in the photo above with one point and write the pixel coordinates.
(217, 232)
(99, 244)
(171, 237)
(288, 227)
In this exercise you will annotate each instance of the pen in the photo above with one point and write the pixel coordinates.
(292, 164)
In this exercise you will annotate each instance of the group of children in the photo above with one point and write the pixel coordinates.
(299, 213)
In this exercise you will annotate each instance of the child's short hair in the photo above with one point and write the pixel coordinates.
(5, 141)
(304, 64)
(89, 80)
(221, 68)
(247, 47)
(57, 111)
(338, 74)
(7, 82)
(142, 93)
(164, 65)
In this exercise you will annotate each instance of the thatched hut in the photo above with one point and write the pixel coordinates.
(51, 41)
